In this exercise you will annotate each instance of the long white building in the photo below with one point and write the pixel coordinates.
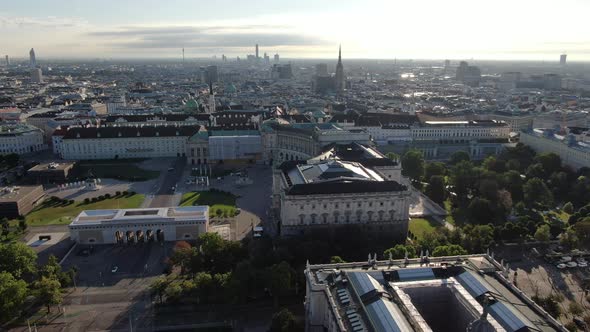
(20, 139)
(81, 143)
(572, 153)
(139, 225)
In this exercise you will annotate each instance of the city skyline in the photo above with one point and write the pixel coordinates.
(530, 30)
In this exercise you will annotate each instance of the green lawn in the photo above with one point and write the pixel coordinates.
(421, 226)
(48, 213)
(216, 200)
(448, 208)
(116, 169)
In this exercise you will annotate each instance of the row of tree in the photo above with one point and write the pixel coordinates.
(21, 277)
(218, 271)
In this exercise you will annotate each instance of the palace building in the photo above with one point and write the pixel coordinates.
(347, 184)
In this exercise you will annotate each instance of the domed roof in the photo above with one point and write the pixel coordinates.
(230, 88)
(191, 104)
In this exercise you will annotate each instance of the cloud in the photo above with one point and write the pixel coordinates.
(205, 37)
(43, 22)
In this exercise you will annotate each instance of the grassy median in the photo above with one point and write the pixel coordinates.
(58, 213)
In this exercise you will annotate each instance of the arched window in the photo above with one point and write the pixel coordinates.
(392, 215)
(301, 219)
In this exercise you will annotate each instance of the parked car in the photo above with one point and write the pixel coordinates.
(572, 264)
(561, 266)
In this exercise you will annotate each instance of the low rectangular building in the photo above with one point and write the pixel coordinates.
(50, 172)
(139, 225)
(18, 201)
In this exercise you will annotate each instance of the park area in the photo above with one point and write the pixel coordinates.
(124, 169)
(61, 212)
(220, 203)
(421, 226)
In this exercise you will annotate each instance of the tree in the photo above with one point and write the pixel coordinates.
(49, 292)
(173, 291)
(433, 169)
(413, 164)
(463, 177)
(283, 321)
(281, 280)
(158, 287)
(494, 165)
(569, 238)
(12, 295)
(336, 260)
(535, 171)
(543, 233)
(550, 161)
(480, 211)
(568, 208)
(582, 229)
(477, 238)
(458, 157)
(436, 189)
(512, 181)
(399, 251)
(17, 259)
(392, 156)
(51, 269)
(536, 193)
(449, 250)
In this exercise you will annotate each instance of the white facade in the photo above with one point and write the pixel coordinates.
(139, 225)
(235, 147)
(459, 130)
(124, 147)
(20, 139)
(561, 119)
(370, 209)
(326, 192)
(575, 155)
(342, 136)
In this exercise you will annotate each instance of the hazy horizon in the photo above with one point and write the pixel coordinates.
(375, 29)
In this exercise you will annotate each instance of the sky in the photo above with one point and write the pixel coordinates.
(380, 29)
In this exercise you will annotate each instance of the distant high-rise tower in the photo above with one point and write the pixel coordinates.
(277, 58)
(32, 59)
(257, 51)
(563, 59)
(321, 69)
(36, 75)
(183, 55)
(339, 72)
(212, 107)
(7, 61)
